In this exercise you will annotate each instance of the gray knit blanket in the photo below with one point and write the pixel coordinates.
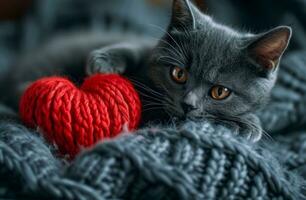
(191, 161)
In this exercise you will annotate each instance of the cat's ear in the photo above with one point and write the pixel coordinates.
(268, 48)
(184, 15)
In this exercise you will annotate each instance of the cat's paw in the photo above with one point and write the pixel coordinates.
(103, 63)
(251, 128)
(252, 135)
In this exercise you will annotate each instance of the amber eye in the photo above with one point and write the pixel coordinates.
(219, 92)
(179, 75)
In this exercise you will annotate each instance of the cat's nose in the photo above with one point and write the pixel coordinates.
(187, 107)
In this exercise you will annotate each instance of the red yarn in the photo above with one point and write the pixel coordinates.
(74, 117)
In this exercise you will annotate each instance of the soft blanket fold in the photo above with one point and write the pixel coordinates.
(197, 161)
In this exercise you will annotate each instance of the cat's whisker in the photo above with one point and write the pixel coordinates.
(169, 102)
(170, 116)
(160, 101)
(151, 98)
(147, 88)
(150, 109)
(187, 35)
(180, 46)
(152, 104)
(182, 50)
(169, 59)
(186, 32)
(167, 92)
(172, 53)
(149, 94)
(167, 33)
(144, 100)
(170, 105)
(176, 52)
(166, 103)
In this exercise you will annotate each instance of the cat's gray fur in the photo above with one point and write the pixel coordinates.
(213, 54)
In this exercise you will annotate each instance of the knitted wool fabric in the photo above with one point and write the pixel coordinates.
(197, 161)
(72, 118)
(28, 168)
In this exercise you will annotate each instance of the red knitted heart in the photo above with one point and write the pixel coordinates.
(74, 117)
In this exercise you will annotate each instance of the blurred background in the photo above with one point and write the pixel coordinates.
(27, 24)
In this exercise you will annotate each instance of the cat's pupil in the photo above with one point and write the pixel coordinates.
(220, 91)
(180, 74)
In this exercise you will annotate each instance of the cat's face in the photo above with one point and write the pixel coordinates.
(208, 70)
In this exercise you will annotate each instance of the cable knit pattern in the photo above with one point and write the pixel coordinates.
(193, 164)
(196, 161)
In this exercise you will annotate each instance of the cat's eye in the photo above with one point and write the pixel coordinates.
(219, 92)
(179, 75)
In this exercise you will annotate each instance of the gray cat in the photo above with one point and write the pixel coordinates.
(199, 70)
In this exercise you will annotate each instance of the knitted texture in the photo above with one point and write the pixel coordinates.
(195, 161)
(73, 118)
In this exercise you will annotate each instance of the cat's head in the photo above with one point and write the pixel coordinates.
(208, 69)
